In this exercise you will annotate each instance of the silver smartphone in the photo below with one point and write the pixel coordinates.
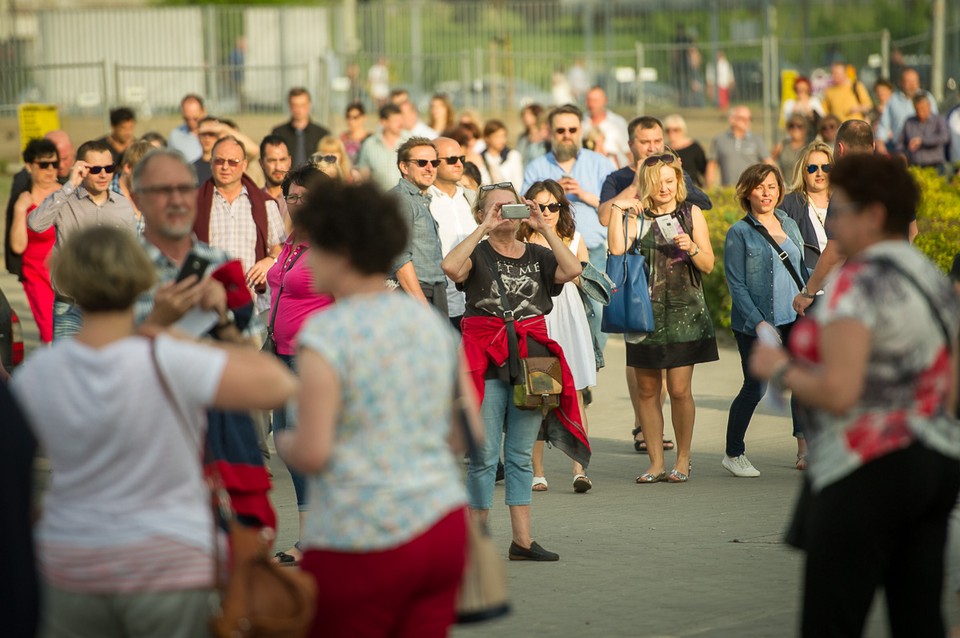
(515, 211)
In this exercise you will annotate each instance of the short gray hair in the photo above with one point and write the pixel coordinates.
(143, 165)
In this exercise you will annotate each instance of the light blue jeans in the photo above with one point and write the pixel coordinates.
(598, 258)
(518, 437)
(67, 320)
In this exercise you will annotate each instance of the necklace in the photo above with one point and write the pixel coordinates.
(821, 213)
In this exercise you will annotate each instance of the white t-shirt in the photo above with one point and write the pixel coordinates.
(454, 223)
(123, 469)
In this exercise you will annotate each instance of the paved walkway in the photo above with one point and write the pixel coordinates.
(703, 558)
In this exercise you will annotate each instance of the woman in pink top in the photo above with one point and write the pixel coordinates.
(292, 300)
(42, 162)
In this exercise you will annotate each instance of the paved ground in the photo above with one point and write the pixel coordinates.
(699, 559)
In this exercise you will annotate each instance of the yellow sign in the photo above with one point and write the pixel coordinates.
(36, 120)
(787, 78)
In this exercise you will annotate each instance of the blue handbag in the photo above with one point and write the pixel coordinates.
(630, 309)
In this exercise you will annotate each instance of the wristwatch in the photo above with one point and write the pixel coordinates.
(807, 294)
(696, 252)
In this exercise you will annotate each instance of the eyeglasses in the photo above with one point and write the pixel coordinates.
(109, 168)
(812, 168)
(666, 158)
(295, 198)
(422, 163)
(453, 159)
(183, 190)
(329, 159)
(562, 131)
(45, 165)
(493, 187)
(220, 161)
(553, 208)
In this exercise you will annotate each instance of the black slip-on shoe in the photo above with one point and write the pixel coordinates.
(535, 553)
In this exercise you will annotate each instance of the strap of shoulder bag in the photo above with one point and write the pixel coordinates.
(889, 263)
(513, 343)
(782, 254)
(276, 304)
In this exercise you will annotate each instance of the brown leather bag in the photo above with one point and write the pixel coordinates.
(541, 383)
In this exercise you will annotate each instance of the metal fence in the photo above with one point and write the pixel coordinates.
(490, 56)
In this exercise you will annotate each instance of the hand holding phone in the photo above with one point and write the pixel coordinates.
(193, 265)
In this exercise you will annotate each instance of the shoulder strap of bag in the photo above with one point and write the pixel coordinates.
(782, 254)
(276, 304)
(513, 343)
(889, 263)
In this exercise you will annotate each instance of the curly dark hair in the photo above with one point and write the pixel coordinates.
(566, 226)
(359, 222)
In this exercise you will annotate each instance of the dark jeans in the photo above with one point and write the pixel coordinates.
(884, 525)
(752, 390)
(279, 425)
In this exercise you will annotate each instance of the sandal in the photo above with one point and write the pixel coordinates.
(801, 462)
(288, 560)
(582, 483)
(540, 484)
(641, 446)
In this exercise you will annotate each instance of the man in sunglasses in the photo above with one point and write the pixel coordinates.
(451, 205)
(417, 269)
(85, 200)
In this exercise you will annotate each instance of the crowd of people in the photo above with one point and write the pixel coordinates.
(352, 293)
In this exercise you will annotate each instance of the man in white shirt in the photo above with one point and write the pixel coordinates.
(613, 127)
(452, 207)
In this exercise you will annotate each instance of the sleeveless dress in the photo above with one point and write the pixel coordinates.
(36, 277)
(567, 325)
(683, 331)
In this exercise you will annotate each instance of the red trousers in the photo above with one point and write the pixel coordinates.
(409, 591)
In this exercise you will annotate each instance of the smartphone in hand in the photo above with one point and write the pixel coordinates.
(193, 265)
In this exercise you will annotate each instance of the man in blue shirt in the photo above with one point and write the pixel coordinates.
(900, 108)
(581, 173)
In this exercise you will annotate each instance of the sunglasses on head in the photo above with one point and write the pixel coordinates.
(422, 163)
(95, 170)
(220, 161)
(493, 187)
(812, 168)
(329, 159)
(553, 208)
(666, 158)
(51, 164)
(453, 159)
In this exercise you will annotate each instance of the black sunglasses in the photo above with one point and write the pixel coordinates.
(561, 131)
(666, 158)
(453, 159)
(422, 163)
(493, 187)
(812, 168)
(553, 208)
(95, 170)
(329, 159)
(55, 164)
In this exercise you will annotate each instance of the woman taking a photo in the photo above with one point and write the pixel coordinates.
(673, 236)
(531, 276)
(877, 364)
(762, 288)
(808, 201)
(293, 300)
(567, 322)
(125, 542)
(385, 534)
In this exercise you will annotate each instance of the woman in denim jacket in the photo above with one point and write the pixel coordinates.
(762, 290)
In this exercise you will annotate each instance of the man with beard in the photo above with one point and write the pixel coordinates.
(581, 173)
(275, 161)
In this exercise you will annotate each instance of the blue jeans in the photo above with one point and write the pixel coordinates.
(522, 427)
(67, 320)
(743, 406)
(598, 258)
(279, 425)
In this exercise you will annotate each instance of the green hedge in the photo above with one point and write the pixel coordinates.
(938, 221)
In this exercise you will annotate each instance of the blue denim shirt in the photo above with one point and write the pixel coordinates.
(748, 263)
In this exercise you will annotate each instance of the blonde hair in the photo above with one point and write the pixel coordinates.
(333, 144)
(103, 268)
(799, 184)
(648, 180)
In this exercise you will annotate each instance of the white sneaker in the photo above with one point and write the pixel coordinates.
(739, 466)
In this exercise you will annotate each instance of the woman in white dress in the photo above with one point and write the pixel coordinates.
(567, 322)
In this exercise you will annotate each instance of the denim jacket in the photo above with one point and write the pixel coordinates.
(748, 264)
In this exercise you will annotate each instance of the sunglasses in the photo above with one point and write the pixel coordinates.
(812, 168)
(562, 131)
(453, 159)
(95, 170)
(666, 158)
(553, 208)
(329, 159)
(422, 163)
(54, 164)
(295, 198)
(220, 161)
(493, 187)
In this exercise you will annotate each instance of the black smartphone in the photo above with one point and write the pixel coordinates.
(194, 265)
